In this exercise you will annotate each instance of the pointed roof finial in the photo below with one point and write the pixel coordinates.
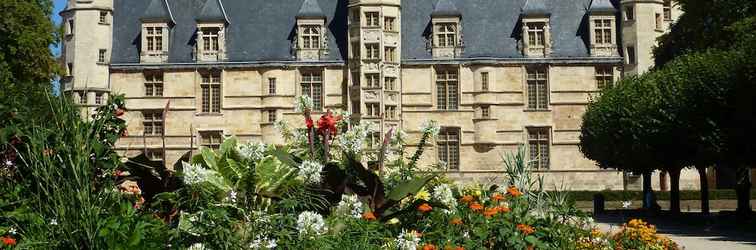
(602, 6)
(445, 8)
(535, 8)
(310, 8)
(213, 11)
(158, 10)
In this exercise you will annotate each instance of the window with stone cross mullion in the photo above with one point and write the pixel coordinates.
(312, 86)
(311, 37)
(211, 94)
(447, 89)
(447, 144)
(537, 89)
(153, 122)
(538, 143)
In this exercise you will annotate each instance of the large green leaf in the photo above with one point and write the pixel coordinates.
(410, 187)
(285, 157)
(273, 176)
(209, 158)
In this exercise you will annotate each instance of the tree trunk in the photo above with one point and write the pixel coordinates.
(674, 194)
(649, 199)
(743, 191)
(704, 189)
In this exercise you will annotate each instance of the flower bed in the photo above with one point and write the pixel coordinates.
(313, 193)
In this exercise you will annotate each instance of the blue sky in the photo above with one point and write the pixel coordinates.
(59, 5)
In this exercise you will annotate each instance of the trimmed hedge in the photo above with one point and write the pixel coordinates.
(611, 195)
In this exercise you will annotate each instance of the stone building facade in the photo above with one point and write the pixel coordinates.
(495, 74)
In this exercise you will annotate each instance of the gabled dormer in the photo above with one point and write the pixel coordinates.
(536, 31)
(155, 40)
(211, 32)
(446, 40)
(602, 28)
(311, 42)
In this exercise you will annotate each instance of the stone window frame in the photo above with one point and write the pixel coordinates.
(372, 19)
(271, 115)
(103, 18)
(628, 13)
(154, 83)
(602, 31)
(389, 83)
(448, 144)
(604, 76)
(485, 111)
(211, 139)
(311, 42)
(311, 36)
(98, 98)
(102, 55)
(83, 97)
(373, 80)
(312, 84)
(70, 27)
(373, 109)
(630, 55)
(155, 42)
(372, 51)
(153, 122)
(485, 78)
(211, 42)
(272, 85)
(667, 10)
(211, 87)
(539, 138)
(389, 23)
(445, 34)
(536, 36)
(389, 53)
(447, 81)
(390, 111)
(537, 88)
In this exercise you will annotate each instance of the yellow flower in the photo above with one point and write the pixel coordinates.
(422, 195)
(393, 221)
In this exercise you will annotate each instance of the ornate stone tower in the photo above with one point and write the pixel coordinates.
(374, 62)
(643, 21)
(88, 31)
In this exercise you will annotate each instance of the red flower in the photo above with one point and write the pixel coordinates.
(309, 122)
(327, 123)
(8, 241)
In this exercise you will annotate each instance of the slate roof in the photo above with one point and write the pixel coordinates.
(262, 30)
(310, 8)
(536, 7)
(213, 11)
(157, 10)
(445, 8)
(602, 6)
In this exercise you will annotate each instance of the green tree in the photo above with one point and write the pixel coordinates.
(27, 65)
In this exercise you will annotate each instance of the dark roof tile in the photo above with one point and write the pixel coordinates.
(310, 8)
(213, 11)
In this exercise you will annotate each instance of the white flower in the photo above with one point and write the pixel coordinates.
(407, 240)
(54, 222)
(443, 194)
(194, 174)
(430, 127)
(303, 103)
(309, 172)
(626, 204)
(310, 223)
(353, 139)
(196, 246)
(232, 196)
(8, 163)
(253, 151)
(350, 205)
(12, 231)
(263, 243)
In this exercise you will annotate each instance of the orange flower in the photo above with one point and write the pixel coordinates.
(429, 247)
(369, 216)
(456, 221)
(504, 209)
(459, 248)
(490, 212)
(497, 197)
(8, 241)
(467, 198)
(424, 208)
(513, 191)
(525, 229)
(476, 206)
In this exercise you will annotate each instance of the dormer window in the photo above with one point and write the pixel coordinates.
(156, 21)
(536, 37)
(601, 26)
(311, 37)
(210, 42)
(311, 43)
(446, 35)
